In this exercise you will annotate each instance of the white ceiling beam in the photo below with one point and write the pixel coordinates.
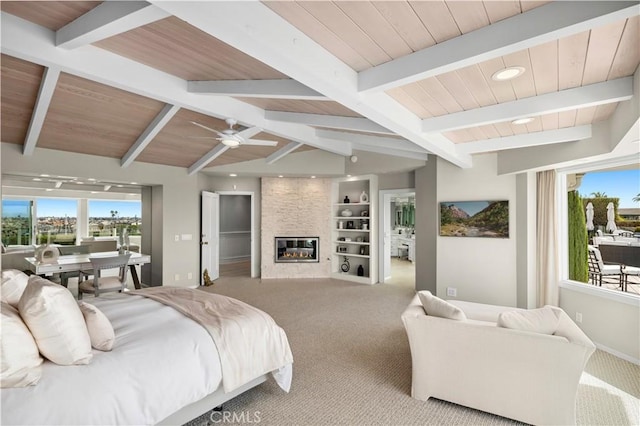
(45, 94)
(33, 43)
(371, 141)
(259, 32)
(546, 23)
(356, 124)
(394, 152)
(106, 20)
(283, 152)
(579, 97)
(568, 134)
(207, 158)
(272, 89)
(149, 133)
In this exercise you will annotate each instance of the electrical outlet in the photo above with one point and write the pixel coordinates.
(176, 237)
(177, 277)
(189, 276)
(578, 316)
(452, 292)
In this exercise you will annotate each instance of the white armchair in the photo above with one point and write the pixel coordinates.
(522, 375)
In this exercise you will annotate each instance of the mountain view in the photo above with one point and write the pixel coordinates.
(475, 219)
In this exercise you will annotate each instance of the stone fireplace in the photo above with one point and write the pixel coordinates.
(296, 249)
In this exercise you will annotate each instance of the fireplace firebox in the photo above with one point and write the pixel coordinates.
(297, 249)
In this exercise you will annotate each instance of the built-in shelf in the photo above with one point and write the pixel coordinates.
(362, 213)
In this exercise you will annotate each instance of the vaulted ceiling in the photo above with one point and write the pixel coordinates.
(128, 80)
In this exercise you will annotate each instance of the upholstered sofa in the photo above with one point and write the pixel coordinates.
(523, 375)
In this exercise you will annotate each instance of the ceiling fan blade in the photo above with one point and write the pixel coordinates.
(202, 137)
(209, 129)
(259, 142)
(248, 133)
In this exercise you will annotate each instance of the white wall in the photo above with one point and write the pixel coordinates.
(613, 325)
(481, 269)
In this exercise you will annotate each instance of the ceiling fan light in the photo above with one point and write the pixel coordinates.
(231, 143)
(507, 73)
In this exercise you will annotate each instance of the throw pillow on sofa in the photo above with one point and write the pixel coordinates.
(55, 321)
(544, 320)
(19, 356)
(437, 307)
(13, 284)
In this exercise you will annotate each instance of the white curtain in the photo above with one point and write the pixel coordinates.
(547, 244)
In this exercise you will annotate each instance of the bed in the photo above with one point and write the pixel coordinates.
(164, 369)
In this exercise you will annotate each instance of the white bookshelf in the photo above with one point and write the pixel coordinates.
(351, 239)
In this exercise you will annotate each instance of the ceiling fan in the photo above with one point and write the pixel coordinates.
(233, 138)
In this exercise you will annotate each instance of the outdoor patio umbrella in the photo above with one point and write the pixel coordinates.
(611, 215)
(590, 226)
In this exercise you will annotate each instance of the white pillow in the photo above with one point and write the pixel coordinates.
(21, 362)
(55, 321)
(544, 320)
(437, 307)
(13, 284)
(100, 329)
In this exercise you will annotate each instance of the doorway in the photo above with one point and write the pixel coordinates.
(236, 254)
(397, 245)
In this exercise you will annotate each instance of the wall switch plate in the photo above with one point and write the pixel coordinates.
(189, 276)
(186, 237)
(578, 316)
(177, 277)
(452, 291)
(176, 237)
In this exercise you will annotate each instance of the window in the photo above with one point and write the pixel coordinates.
(613, 181)
(110, 217)
(57, 220)
(17, 220)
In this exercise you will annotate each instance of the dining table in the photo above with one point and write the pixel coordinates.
(82, 262)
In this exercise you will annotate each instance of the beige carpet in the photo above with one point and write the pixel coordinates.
(352, 364)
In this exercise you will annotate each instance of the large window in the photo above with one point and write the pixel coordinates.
(110, 217)
(57, 220)
(17, 221)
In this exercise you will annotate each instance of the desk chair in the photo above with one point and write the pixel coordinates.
(100, 284)
(70, 250)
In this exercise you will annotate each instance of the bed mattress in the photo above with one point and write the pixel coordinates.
(161, 362)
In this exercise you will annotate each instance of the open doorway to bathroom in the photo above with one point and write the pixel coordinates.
(397, 214)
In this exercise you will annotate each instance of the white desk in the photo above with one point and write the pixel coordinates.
(79, 262)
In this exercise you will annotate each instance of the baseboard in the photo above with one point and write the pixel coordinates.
(618, 354)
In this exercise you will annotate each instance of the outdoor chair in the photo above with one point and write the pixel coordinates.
(598, 269)
(626, 272)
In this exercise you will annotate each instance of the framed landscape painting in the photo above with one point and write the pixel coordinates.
(487, 219)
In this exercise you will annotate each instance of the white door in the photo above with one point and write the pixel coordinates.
(210, 235)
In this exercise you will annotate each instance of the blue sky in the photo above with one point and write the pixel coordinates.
(59, 207)
(622, 184)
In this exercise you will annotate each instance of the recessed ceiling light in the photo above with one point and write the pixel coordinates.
(48, 189)
(44, 175)
(119, 186)
(313, 177)
(507, 73)
(79, 183)
(134, 183)
(37, 179)
(233, 174)
(523, 120)
(280, 176)
(348, 175)
(91, 179)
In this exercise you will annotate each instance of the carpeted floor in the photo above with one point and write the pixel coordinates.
(352, 364)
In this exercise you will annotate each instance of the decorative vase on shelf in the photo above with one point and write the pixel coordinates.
(346, 199)
(364, 198)
(360, 271)
(346, 213)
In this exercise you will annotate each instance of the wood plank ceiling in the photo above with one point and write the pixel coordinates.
(93, 118)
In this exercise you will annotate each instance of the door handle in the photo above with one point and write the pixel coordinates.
(203, 243)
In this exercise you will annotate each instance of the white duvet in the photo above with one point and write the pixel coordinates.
(161, 362)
